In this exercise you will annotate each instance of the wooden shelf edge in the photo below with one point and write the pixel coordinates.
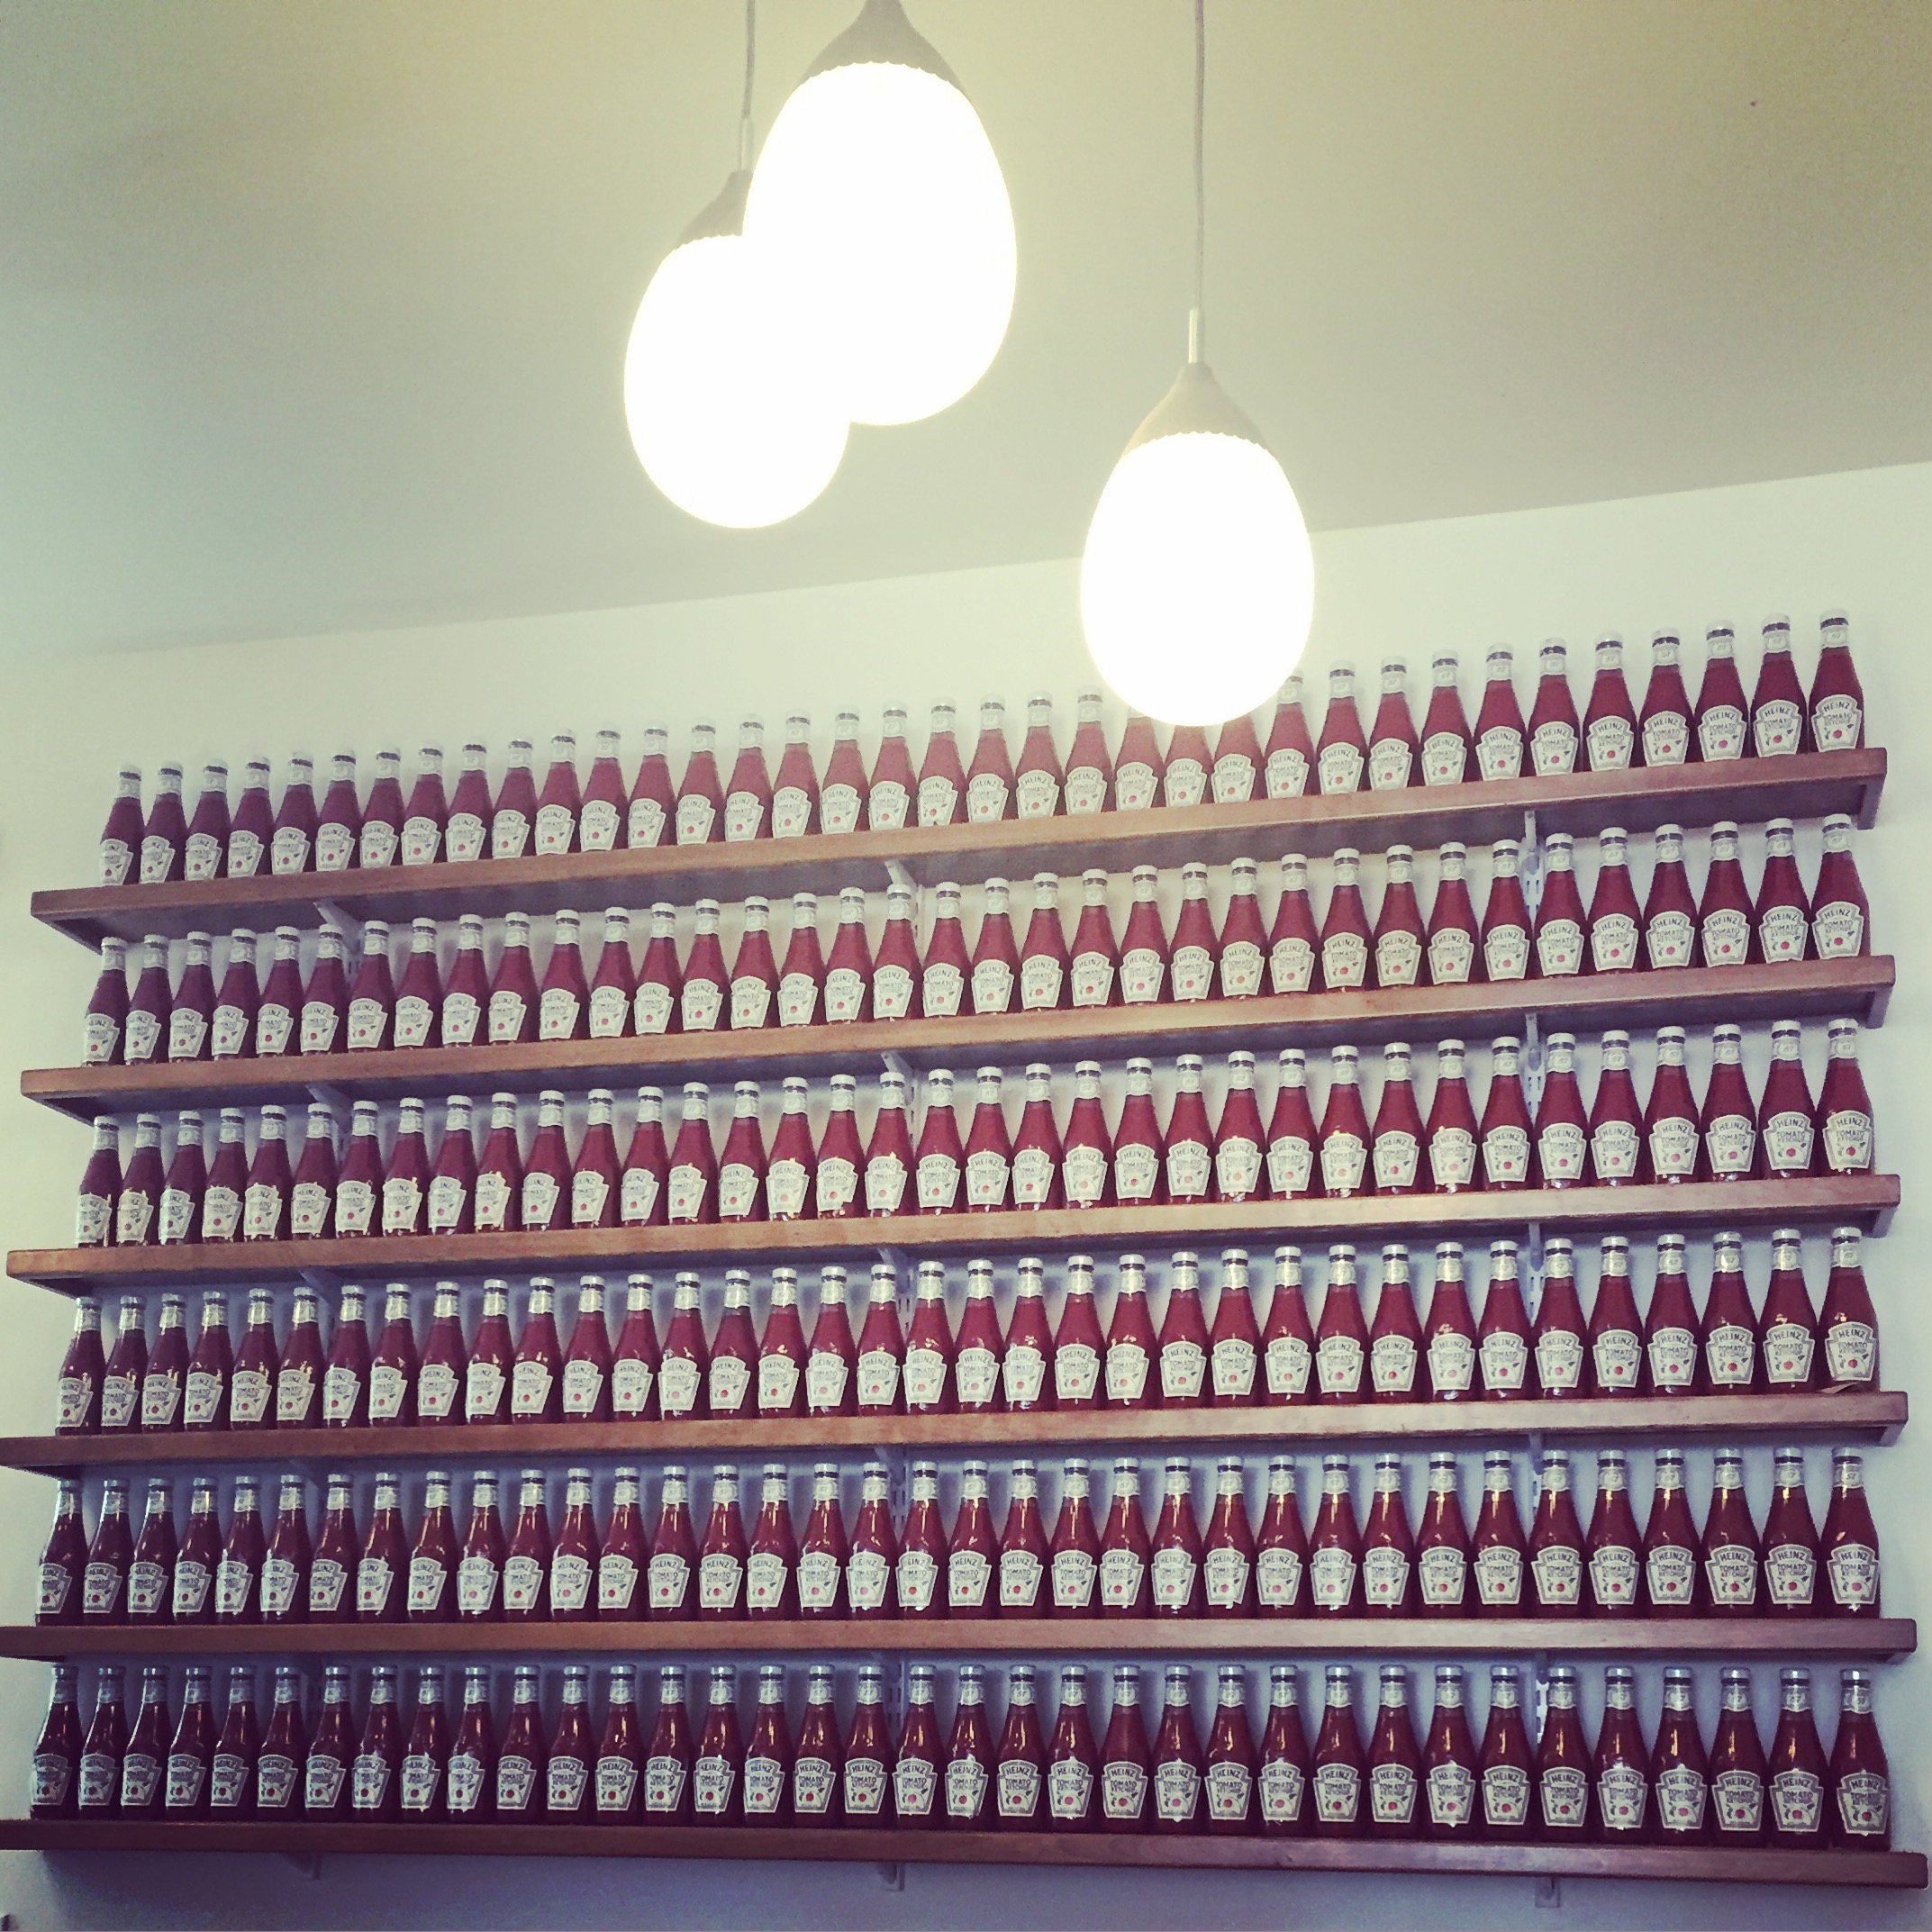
(1694, 995)
(1899, 1869)
(1867, 1200)
(1763, 1638)
(1805, 786)
(1877, 1417)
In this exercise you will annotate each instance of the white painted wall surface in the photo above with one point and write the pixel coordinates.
(1861, 540)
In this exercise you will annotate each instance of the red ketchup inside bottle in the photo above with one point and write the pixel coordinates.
(1678, 1766)
(1788, 1332)
(121, 837)
(1346, 943)
(1397, 1139)
(332, 1569)
(164, 838)
(289, 836)
(1556, 1555)
(873, 1556)
(1673, 1581)
(515, 813)
(1620, 1154)
(1140, 1149)
(1844, 1106)
(1861, 1779)
(1234, 1342)
(1174, 1551)
(1729, 1549)
(1721, 711)
(930, 1349)
(1561, 926)
(1399, 936)
(1079, 1347)
(1614, 922)
(942, 780)
(1024, 1558)
(795, 799)
(731, 1377)
(1138, 769)
(1506, 922)
(1335, 1545)
(1728, 1333)
(237, 1003)
(1559, 1342)
(1089, 768)
(1184, 778)
(1388, 1546)
(1779, 726)
(1341, 752)
(973, 1551)
(284, 1580)
(892, 788)
(1499, 729)
(1448, 1768)
(1392, 738)
(668, 1756)
(133, 1199)
(1126, 1763)
(671, 1574)
(989, 785)
(185, 1184)
(919, 1574)
(823, 1551)
(1663, 723)
(1671, 1348)
(717, 1767)
(1505, 1768)
(768, 1759)
(699, 809)
(1193, 955)
(967, 1764)
(1394, 1760)
(888, 1160)
(652, 808)
(1673, 1133)
(1445, 743)
(1293, 939)
(722, 1552)
(684, 1368)
(1344, 1134)
(1237, 761)
(1442, 1544)
(1502, 1336)
(1145, 949)
(802, 979)
(1341, 1338)
(1074, 1553)
(1072, 1759)
(1617, 1356)
(1847, 1324)
(1087, 1152)
(895, 974)
(878, 1356)
(1553, 723)
(1452, 936)
(1848, 1544)
(754, 984)
(1838, 715)
(164, 1380)
(1395, 1336)
(191, 1011)
(1498, 1553)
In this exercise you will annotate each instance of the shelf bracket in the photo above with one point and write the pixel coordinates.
(895, 871)
(897, 1062)
(322, 1280)
(892, 1875)
(342, 922)
(1550, 1891)
(309, 1864)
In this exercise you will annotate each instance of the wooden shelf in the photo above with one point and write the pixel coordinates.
(1583, 803)
(1692, 996)
(1866, 1201)
(1902, 1870)
(1875, 1417)
(1671, 1639)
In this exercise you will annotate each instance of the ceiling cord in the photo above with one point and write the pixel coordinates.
(1196, 330)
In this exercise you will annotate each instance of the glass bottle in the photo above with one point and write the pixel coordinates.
(1506, 929)
(1791, 1550)
(1563, 1764)
(1499, 729)
(1294, 939)
(1284, 1771)
(1126, 1763)
(1019, 1761)
(1089, 768)
(1388, 1546)
(667, 1759)
(874, 1555)
(1504, 1131)
(1072, 1760)
(1449, 1761)
(968, 1761)
(1847, 1323)
(1620, 1765)
(1778, 724)
(1736, 1768)
(1443, 1550)
(1497, 1551)
(1612, 1547)
(1291, 1132)
(1507, 1768)
(1447, 744)
(1673, 1582)
(1861, 1779)
(768, 1761)
(672, 1571)
(1836, 701)
(892, 791)
(1848, 1544)
(1678, 1770)
(1341, 751)
(1394, 1762)
(922, 1552)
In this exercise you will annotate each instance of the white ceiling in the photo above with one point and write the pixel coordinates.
(312, 316)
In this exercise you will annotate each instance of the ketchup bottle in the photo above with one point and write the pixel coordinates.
(1562, 1766)
(191, 1010)
(333, 1772)
(1614, 920)
(435, 1556)
(1729, 1546)
(1019, 1761)
(878, 1356)
(1672, 1583)
(1396, 1142)
(1345, 929)
(888, 1157)
(137, 1203)
(668, 1756)
(1849, 1544)
(515, 807)
(144, 1762)
(1447, 744)
(1499, 729)
(1175, 1552)
(972, 1551)
(164, 837)
(574, 1563)
(97, 1209)
(1125, 1549)
(768, 1758)
(1337, 1766)
(1553, 725)
(107, 1009)
(1334, 1546)
(281, 1763)
(1778, 726)
(103, 1749)
(1556, 1551)
(238, 1571)
(715, 1796)
(63, 1562)
(1281, 1547)
(802, 979)
(78, 1410)
(126, 1370)
(1388, 1548)
(283, 1594)
(1619, 1155)
(1234, 1347)
(1341, 1342)
(1861, 1780)
(1560, 922)
(1182, 1341)
(1673, 1138)
(1664, 722)
(465, 1004)
(1848, 1325)
(1497, 1551)
(1179, 1768)
(1795, 1770)
(1345, 1135)
(1728, 1121)
(149, 1576)
(1237, 761)
(425, 1753)
(1843, 1107)
(1837, 701)
(1342, 751)
(382, 1569)
(1449, 1331)
(1782, 911)
(1788, 1140)
(1506, 1766)
(333, 1568)
(1442, 1546)
(526, 1564)
(770, 1587)
(470, 1776)
(1613, 1548)
(823, 1550)
(1131, 1340)
(1126, 1763)
(930, 1354)
(916, 1761)
(1506, 922)
(1075, 1554)
(121, 837)
(1185, 776)
(1840, 915)
(1399, 935)
(1294, 938)
(1449, 1761)
(1145, 949)
(226, 1189)
(989, 785)
(1392, 738)
(105, 1579)
(1620, 1766)
(288, 836)
(722, 1553)
(1558, 1340)
(872, 1556)
(522, 1762)
(1451, 934)
(1720, 713)
(162, 1381)
(1617, 1352)
(425, 815)
(1395, 1763)
(942, 792)
(1072, 1760)
(1395, 1340)
(891, 791)
(674, 1551)
(232, 1771)
(1791, 1548)
(1670, 911)
(1502, 1339)
(1724, 914)
(624, 1556)
(968, 1761)
(1678, 1766)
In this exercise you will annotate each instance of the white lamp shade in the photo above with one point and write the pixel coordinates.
(883, 202)
(1198, 583)
(728, 417)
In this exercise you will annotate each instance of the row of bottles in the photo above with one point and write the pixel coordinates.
(372, 1008)
(603, 813)
(931, 1365)
(916, 1567)
(689, 1178)
(700, 1768)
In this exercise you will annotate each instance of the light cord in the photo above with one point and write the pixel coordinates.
(744, 111)
(1196, 324)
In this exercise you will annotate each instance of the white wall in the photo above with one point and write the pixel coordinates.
(1859, 540)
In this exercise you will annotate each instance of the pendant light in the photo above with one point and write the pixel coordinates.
(1197, 587)
(727, 412)
(882, 198)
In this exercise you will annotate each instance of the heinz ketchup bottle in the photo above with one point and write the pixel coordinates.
(700, 807)
(1837, 701)
(1293, 939)
(1663, 723)
(1506, 922)
(1778, 725)
(1553, 723)
(1499, 729)
(1392, 738)
(1720, 716)
(1447, 744)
